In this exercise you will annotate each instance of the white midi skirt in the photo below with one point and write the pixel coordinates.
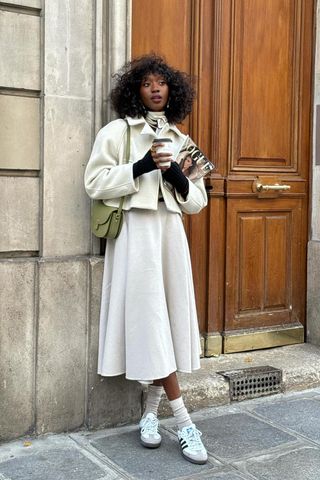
(148, 318)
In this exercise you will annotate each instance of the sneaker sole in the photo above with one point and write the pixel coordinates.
(192, 460)
(150, 445)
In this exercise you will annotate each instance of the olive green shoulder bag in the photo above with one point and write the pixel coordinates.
(106, 221)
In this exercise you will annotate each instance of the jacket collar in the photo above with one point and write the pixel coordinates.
(146, 129)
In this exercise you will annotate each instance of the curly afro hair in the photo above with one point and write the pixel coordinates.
(125, 96)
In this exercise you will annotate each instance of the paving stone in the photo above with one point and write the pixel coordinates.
(54, 464)
(162, 464)
(231, 436)
(231, 475)
(303, 464)
(224, 476)
(302, 416)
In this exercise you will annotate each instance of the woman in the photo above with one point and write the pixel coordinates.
(188, 165)
(148, 320)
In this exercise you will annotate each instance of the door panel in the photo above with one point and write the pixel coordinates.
(265, 80)
(158, 30)
(163, 29)
(266, 181)
(253, 63)
(263, 262)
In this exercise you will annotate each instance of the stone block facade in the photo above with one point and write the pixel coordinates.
(17, 346)
(20, 132)
(313, 280)
(53, 96)
(19, 215)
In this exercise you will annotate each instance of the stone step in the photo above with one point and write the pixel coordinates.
(300, 365)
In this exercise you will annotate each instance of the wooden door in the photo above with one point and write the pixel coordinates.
(253, 61)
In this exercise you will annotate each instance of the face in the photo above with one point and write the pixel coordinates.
(188, 162)
(154, 92)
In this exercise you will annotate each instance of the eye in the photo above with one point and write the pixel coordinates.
(162, 82)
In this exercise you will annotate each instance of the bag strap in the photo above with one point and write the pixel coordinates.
(128, 143)
(127, 161)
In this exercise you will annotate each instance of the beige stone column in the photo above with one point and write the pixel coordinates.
(68, 51)
(313, 281)
(20, 160)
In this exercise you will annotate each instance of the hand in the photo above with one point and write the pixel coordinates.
(177, 179)
(159, 158)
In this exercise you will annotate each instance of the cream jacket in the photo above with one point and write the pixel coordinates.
(108, 178)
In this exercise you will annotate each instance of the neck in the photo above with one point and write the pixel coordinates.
(156, 120)
(156, 114)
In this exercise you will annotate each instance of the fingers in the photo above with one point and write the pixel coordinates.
(155, 145)
(163, 168)
(162, 160)
(154, 149)
(161, 157)
(156, 155)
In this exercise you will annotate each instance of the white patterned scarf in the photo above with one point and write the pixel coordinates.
(156, 120)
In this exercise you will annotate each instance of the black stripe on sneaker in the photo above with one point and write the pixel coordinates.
(183, 444)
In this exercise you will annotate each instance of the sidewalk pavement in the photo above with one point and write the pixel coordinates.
(270, 438)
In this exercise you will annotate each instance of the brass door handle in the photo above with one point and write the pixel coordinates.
(265, 188)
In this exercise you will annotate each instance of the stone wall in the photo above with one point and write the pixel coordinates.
(313, 289)
(58, 56)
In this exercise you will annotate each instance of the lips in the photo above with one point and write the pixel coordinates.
(156, 98)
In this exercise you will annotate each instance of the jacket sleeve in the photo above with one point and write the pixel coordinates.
(106, 176)
(197, 197)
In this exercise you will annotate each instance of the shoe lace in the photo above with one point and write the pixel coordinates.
(194, 440)
(150, 426)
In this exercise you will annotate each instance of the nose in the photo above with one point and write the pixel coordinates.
(155, 87)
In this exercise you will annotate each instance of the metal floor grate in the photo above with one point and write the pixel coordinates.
(253, 382)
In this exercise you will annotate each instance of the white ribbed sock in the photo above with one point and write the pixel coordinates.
(180, 413)
(153, 399)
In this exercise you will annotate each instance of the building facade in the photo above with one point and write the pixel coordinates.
(57, 59)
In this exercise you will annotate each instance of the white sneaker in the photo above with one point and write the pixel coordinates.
(149, 434)
(191, 445)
